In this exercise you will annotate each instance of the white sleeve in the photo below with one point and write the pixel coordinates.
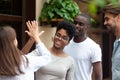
(96, 54)
(39, 50)
(35, 62)
(43, 57)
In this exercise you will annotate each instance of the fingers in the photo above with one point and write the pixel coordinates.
(41, 33)
(33, 28)
(35, 23)
(28, 23)
(31, 24)
(28, 32)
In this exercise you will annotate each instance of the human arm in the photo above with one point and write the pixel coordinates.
(32, 26)
(97, 70)
(34, 34)
(70, 72)
(31, 41)
(39, 57)
(28, 46)
(33, 31)
(97, 63)
(43, 56)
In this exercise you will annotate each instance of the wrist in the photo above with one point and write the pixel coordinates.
(37, 40)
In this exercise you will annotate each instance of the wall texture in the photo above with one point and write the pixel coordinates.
(49, 31)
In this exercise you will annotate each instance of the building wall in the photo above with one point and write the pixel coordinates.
(49, 31)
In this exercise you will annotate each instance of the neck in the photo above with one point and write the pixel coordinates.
(56, 51)
(117, 34)
(79, 39)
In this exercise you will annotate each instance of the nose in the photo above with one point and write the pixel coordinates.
(60, 38)
(105, 22)
(77, 25)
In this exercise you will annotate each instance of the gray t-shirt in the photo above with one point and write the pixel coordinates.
(59, 69)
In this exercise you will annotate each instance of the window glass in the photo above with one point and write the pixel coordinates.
(12, 7)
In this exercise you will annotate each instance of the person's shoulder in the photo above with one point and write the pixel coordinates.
(92, 41)
(71, 61)
(70, 58)
(93, 44)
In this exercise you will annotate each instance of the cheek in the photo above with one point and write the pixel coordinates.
(54, 39)
(15, 42)
(110, 22)
(117, 22)
(79, 29)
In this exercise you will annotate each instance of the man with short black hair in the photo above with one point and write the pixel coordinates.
(86, 53)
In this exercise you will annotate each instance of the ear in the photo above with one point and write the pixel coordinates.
(15, 42)
(118, 17)
(118, 20)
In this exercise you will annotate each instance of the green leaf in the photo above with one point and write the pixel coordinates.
(92, 8)
(66, 9)
(50, 14)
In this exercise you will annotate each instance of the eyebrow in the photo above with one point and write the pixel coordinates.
(62, 35)
(79, 21)
(106, 17)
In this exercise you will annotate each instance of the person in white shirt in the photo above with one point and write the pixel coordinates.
(86, 53)
(14, 65)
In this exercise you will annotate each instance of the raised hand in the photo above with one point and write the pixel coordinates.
(33, 30)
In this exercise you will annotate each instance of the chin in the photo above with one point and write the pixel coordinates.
(57, 46)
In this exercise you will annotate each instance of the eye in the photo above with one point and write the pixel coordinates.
(75, 22)
(58, 35)
(106, 18)
(81, 24)
(65, 38)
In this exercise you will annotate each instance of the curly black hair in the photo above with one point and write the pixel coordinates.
(69, 27)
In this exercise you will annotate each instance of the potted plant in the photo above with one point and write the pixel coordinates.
(57, 9)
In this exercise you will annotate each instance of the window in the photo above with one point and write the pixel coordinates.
(11, 7)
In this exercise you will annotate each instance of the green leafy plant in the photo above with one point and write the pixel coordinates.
(55, 9)
(94, 4)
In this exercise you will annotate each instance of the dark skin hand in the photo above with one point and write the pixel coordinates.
(28, 46)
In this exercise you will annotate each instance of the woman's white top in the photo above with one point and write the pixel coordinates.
(37, 58)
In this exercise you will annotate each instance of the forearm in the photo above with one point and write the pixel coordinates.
(98, 77)
(28, 46)
(97, 68)
(34, 33)
(42, 49)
